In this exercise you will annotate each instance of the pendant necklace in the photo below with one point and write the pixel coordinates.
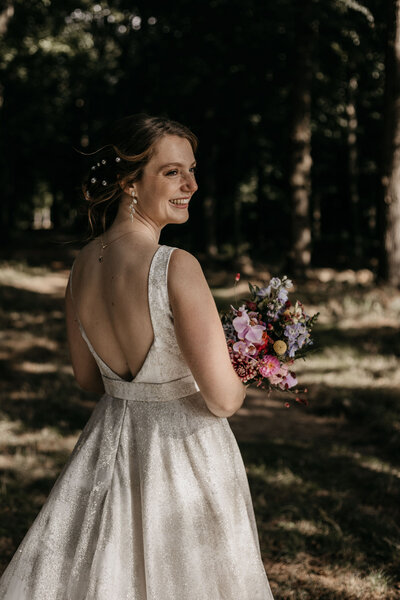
(103, 246)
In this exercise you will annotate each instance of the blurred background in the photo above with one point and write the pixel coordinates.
(297, 109)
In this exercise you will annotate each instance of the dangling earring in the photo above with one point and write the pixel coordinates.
(132, 204)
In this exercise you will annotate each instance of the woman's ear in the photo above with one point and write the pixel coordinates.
(128, 188)
(121, 182)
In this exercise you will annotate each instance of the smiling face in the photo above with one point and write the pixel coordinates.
(168, 182)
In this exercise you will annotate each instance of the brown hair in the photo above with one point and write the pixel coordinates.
(129, 145)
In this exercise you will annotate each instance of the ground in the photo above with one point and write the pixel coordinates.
(325, 479)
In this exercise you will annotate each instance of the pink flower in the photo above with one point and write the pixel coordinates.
(244, 349)
(247, 329)
(278, 377)
(269, 365)
(289, 381)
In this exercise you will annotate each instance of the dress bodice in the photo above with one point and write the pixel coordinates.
(164, 375)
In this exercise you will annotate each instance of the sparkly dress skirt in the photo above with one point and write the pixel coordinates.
(154, 502)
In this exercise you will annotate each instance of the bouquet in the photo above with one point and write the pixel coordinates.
(266, 334)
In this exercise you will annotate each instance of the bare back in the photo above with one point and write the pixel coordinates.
(111, 302)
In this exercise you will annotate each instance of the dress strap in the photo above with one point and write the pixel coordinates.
(160, 308)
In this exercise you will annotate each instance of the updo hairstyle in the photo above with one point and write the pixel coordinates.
(128, 147)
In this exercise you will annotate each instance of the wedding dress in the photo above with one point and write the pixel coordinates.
(154, 502)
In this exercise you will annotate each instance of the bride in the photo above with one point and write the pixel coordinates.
(153, 502)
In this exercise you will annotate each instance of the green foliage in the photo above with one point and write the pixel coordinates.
(225, 69)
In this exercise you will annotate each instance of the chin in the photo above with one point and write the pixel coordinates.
(179, 218)
(183, 219)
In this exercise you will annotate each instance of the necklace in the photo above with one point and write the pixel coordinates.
(104, 246)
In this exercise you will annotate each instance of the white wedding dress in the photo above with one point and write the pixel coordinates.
(154, 502)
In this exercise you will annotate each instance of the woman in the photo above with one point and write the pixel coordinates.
(153, 503)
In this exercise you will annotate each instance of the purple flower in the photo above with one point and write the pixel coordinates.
(246, 330)
(297, 335)
(263, 292)
(282, 296)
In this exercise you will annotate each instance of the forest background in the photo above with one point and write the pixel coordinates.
(297, 109)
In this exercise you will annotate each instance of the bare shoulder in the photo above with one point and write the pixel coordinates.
(184, 271)
(181, 262)
(183, 258)
(186, 281)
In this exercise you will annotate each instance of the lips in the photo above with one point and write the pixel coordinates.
(183, 202)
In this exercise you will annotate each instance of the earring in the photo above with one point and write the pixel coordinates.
(132, 204)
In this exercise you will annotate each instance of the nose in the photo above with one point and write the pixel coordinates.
(189, 184)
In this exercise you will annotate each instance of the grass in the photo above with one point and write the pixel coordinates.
(325, 480)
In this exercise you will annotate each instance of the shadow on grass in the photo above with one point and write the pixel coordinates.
(351, 510)
(368, 340)
(325, 483)
(325, 480)
(22, 497)
(46, 401)
(38, 387)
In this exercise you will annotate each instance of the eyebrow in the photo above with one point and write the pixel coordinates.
(175, 163)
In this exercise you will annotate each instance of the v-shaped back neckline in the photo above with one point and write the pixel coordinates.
(112, 373)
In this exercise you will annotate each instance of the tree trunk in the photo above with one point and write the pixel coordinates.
(6, 15)
(389, 267)
(7, 210)
(352, 167)
(301, 161)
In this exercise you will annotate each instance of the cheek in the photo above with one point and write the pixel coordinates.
(166, 188)
(156, 191)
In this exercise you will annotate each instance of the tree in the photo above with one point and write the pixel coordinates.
(301, 160)
(390, 229)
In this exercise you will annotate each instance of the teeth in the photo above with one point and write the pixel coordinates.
(179, 201)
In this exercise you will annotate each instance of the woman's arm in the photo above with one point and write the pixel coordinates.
(200, 335)
(86, 371)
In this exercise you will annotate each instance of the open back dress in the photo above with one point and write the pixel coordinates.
(153, 502)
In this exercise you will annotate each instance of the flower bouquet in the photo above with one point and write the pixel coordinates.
(266, 334)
